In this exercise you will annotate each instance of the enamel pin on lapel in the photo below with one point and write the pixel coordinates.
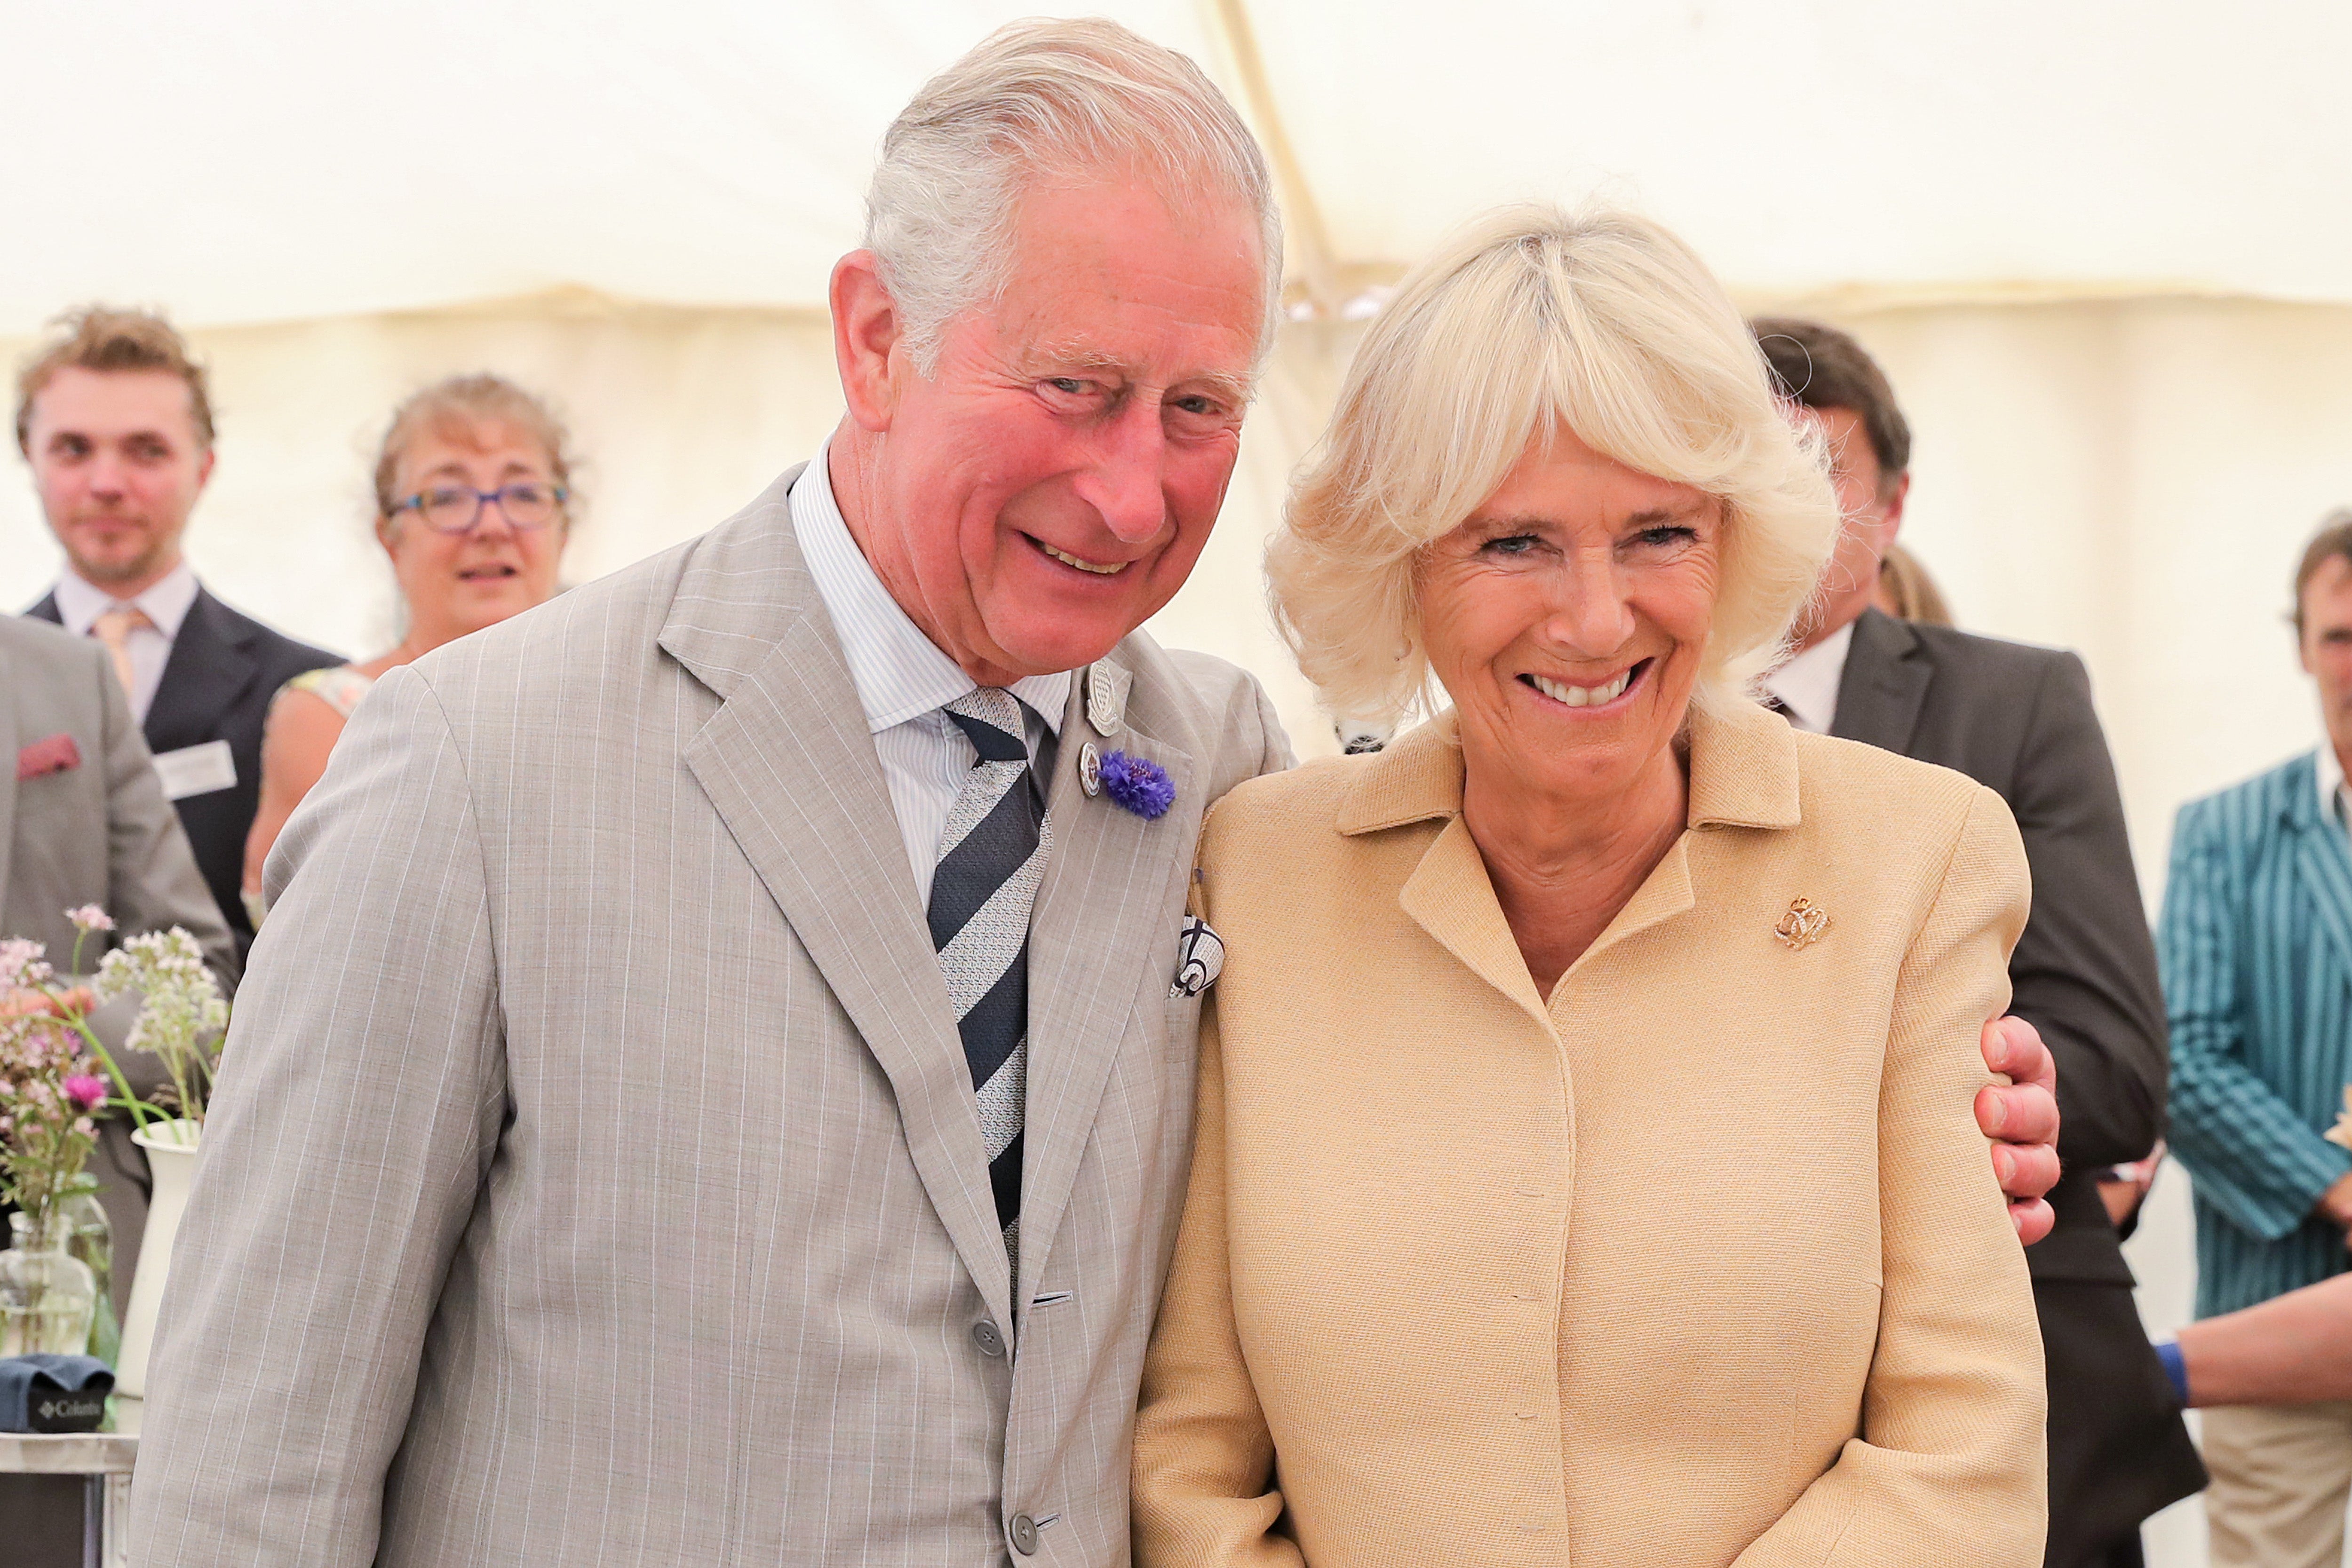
(1803, 925)
(1090, 769)
(1106, 686)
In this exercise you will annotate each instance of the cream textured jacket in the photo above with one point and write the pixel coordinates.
(1703, 1262)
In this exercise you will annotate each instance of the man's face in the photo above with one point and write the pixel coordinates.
(2327, 646)
(1049, 486)
(117, 463)
(1872, 511)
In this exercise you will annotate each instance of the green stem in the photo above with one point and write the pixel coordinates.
(141, 1111)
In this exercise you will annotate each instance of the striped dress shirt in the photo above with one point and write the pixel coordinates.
(2256, 945)
(902, 678)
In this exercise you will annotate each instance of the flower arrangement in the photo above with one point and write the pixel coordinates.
(48, 1091)
(51, 1062)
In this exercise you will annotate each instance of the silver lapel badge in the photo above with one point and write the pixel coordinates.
(1106, 686)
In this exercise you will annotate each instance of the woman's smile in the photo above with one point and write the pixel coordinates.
(1593, 698)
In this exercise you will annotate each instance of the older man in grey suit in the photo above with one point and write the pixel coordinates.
(717, 1087)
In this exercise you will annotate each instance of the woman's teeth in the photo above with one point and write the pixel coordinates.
(1099, 570)
(1583, 697)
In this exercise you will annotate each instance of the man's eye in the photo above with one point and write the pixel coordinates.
(1068, 386)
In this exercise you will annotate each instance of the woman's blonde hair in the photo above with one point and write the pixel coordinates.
(455, 408)
(1532, 318)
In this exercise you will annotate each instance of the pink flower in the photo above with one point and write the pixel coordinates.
(86, 1090)
(90, 917)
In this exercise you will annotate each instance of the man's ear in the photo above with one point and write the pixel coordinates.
(866, 332)
(205, 471)
(1895, 504)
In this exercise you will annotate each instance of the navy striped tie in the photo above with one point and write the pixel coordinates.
(992, 857)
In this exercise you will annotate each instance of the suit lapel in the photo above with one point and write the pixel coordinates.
(1102, 941)
(46, 609)
(1884, 684)
(2323, 862)
(211, 665)
(788, 764)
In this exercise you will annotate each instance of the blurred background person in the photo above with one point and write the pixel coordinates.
(2294, 1349)
(1907, 590)
(2018, 720)
(115, 418)
(2257, 938)
(85, 821)
(473, 489)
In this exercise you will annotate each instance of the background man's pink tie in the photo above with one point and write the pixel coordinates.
(114, 627)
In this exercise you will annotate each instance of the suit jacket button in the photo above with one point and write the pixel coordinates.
(1024, 1534)
(990, 1339)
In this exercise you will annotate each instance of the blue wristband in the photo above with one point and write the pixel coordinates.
(2176, 1370)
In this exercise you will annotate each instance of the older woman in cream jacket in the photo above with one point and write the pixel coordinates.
(1491, 1255)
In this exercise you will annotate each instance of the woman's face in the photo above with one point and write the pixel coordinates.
(1569, 616)
(456, 583)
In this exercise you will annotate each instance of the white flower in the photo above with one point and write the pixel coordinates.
(21, 968)
(90, 917)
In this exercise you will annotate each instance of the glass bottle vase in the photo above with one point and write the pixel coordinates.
(90, 1237)
(47, 1296)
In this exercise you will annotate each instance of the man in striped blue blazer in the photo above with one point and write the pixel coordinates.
(2256, 947)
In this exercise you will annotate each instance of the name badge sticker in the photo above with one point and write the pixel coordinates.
(197, 769)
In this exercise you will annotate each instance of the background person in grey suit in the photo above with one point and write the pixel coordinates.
(716, 1085)
(83, 820)
(2018, 720)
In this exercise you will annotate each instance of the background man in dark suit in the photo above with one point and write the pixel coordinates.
(115, 420)
(2018, 720)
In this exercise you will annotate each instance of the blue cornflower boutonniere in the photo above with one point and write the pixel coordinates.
(1138, 784)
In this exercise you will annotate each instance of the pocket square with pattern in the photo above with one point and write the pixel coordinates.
(54, 754)
(1199, 958)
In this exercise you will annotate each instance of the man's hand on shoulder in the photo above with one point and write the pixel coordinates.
(2021, 1119)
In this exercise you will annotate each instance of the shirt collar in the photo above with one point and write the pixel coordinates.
(166, 602)
(1807, 683)
(2331, 782)
(899, 674)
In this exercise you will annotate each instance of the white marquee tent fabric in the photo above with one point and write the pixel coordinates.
(2104, 249)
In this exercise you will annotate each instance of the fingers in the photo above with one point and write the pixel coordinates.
(2033, 1219)
(2019, 1113)
(2013, 1048)
(2026, 1170)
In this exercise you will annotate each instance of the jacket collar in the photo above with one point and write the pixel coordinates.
(1885, 683)
(1743, 774)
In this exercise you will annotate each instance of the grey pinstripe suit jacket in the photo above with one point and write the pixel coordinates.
(596, 1177)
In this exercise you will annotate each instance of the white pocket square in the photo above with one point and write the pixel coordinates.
(1199, 958)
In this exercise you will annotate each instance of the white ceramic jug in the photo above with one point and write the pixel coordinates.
(171, 1161)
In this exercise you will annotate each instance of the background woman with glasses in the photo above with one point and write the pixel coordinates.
(471, 491)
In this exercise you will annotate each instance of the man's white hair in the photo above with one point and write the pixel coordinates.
(1044, 97)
